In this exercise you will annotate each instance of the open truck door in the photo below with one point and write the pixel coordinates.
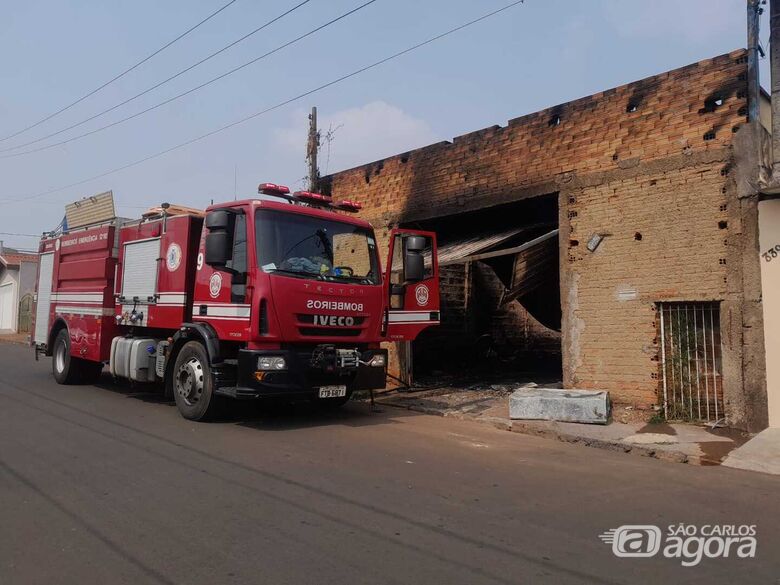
(412, 284)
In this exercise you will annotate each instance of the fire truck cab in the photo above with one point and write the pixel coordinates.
(280, 296)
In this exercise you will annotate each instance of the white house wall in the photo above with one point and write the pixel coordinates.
(11, 275)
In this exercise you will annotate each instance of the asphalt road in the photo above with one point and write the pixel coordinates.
(106, 484)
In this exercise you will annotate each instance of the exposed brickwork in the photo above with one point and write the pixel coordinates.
(529, 155)
(648, 165)
(662, 242)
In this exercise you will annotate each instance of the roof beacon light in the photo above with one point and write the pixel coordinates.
(346, 205)
(272, 189)
(312, 198)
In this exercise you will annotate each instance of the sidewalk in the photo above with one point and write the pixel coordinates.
(7, 337)
(761, 453)
(489, 404)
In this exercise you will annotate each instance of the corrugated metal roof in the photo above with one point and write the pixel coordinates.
(451, 252)
(90, 210)
(474, 245)
(532, 268)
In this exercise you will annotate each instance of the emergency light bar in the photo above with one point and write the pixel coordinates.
(272, 189)
(346, 205)
(309, 198)
(312, 198)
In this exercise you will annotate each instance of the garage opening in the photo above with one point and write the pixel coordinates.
(500, 293)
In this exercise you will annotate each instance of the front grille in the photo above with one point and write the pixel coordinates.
(329, 332)
(309, 319)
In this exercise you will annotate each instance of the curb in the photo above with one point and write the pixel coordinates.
(14, 341)
(526, 429)
(643, 451)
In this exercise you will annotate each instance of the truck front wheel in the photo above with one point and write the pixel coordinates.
(193, 384)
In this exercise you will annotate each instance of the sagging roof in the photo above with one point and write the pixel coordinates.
(453, 252)
(463, 250)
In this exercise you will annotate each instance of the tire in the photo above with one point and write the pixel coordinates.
(193, 383)
(65, 367)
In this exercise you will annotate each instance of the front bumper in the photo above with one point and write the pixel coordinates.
(300, 380)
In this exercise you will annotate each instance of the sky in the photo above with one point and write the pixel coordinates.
(535, 55)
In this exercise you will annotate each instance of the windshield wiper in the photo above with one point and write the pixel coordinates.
(360, 279)
(296, 273)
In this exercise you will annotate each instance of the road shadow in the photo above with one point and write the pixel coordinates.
(265, 415)
(280, 416)
(152, 393)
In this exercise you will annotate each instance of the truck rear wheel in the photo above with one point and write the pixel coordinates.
(193, 384)
(66, 368)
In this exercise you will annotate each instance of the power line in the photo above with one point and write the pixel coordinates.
(125, 72)
(20, 235)
(161, 83)
(272, 108)
(191, 90)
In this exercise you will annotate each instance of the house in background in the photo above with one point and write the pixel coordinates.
(17, 287)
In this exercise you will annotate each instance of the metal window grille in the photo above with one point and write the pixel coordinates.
(691, 379)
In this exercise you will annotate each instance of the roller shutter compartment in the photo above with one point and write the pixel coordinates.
(139, 270)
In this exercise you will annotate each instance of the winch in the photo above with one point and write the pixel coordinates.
(329, 358)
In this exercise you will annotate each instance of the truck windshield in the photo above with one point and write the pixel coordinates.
(310, 247)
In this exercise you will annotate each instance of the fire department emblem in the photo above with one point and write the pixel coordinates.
(421, 295)
(215, 284)
(173, 257)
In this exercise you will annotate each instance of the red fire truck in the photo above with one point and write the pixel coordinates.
(281, 296)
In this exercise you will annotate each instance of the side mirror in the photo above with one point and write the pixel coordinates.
(414, 261)
(219, 240)
(219, 220)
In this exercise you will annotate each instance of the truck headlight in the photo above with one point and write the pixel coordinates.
(378, 361)
(271, 363)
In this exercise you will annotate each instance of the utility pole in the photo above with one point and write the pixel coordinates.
(774, 64)
(754, 88)
(312, 148)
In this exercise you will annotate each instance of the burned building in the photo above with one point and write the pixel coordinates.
(606, 237)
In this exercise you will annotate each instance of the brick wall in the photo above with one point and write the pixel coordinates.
(665, 239)
(650, 158)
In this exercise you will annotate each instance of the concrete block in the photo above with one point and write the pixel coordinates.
(582, 406)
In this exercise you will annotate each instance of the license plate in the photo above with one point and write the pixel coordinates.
(333, 391)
